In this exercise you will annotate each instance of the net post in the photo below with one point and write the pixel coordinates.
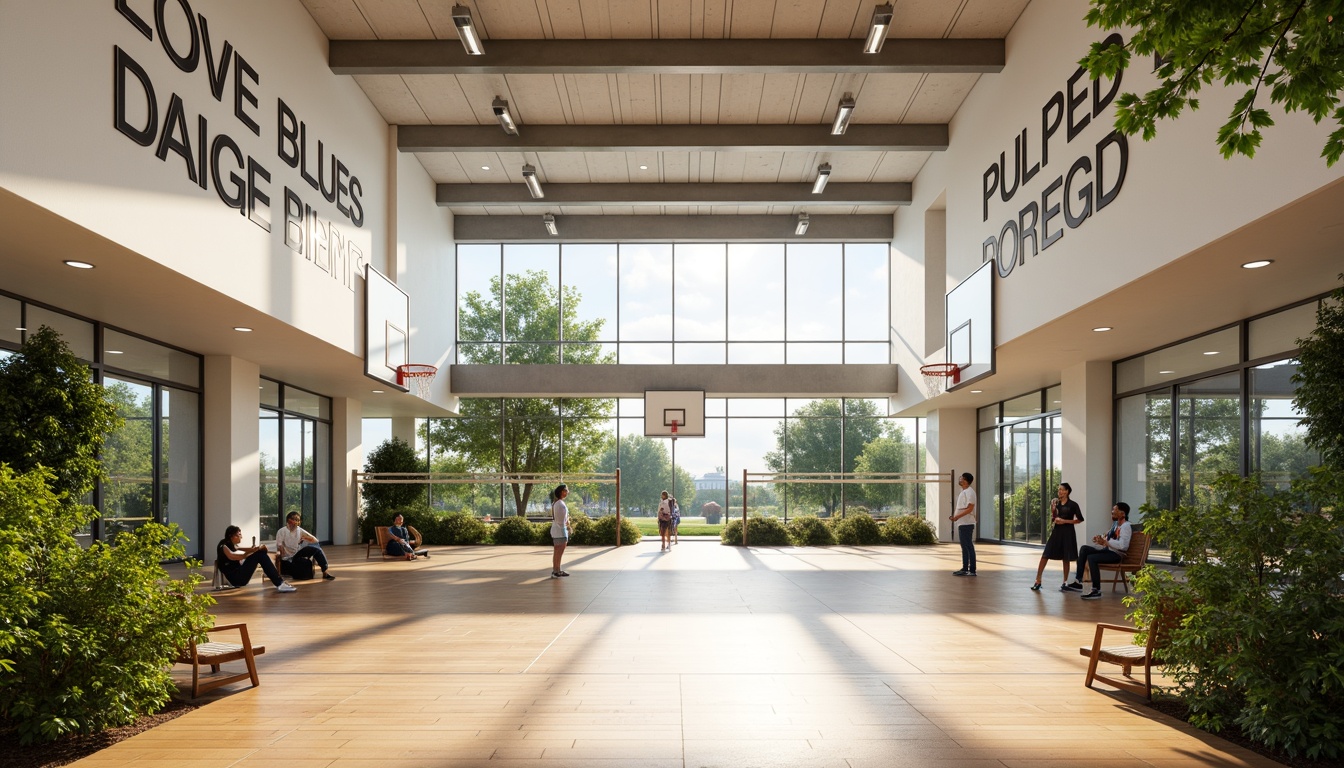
(744, 507)
(618, 507)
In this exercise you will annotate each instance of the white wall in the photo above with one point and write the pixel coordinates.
(61, 149)
(1179, 193)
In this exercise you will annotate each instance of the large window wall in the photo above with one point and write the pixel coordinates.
(153, 461)
(754, 434)
(1019, 465)
(666, 303)
(1218, 402)
(295, 438)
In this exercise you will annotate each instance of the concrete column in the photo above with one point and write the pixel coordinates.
(404, 428)
(952, 444)
(1087, 418)
(347, 453)
(232, 448)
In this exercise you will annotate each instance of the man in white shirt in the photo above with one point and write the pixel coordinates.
(1110, 548)
(294, 543)
(964, 519)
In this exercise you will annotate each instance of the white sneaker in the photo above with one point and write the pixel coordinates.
(285, 586)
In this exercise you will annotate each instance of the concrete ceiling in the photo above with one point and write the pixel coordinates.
(657, 105)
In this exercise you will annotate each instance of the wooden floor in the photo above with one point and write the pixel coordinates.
(703, 656)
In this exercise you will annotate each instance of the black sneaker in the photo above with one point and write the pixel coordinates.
(970, 573)
(327, 576)
(962, 572)
(1093, 595)
(1074, 587)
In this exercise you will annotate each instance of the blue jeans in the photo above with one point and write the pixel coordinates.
(966, 535)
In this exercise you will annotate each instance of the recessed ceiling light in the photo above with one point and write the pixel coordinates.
(643, 167)
(20, 328)
(1257, 264)
(1056, 402)
(976, 391)
(1102, 328)
(242, 329)
(376, 391)
(78, 264)
(1166, 373)
(1211, 353)
(114, 351)
(485, 167)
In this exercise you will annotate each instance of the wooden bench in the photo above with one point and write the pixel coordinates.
(1135, 558)
(382, 537)
(213, 654)
(1129, 656)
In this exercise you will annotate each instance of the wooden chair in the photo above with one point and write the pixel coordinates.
(1127, 657)
(383, 537)
(1135, 558)
(212, 654)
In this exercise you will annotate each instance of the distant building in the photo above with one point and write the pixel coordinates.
(711, 481)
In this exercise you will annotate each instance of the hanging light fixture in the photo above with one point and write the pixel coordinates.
(842, 115)
(877, 33)
(466, 30)
(823, 176)
(803, 224)
(505, 118)
(530, 179)
(549, 221)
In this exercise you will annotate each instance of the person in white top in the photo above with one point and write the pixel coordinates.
(559, 528)
(964, 518)
(1110, 548)
(665, 522)
(294, 543)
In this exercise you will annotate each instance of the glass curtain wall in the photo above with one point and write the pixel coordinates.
(668, 303)
(153, 461)
(1019, 465)
(704, 474)
(294, 427)
(1219, 402)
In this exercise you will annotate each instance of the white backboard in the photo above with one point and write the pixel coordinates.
(387, 341)
(663, 406)
(970, 326)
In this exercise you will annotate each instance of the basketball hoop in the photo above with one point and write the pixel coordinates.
(935, 373)
(417, 378)
(674, 429)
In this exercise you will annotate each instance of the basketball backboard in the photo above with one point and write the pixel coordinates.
(386, 328)
(684, 406)
(970, 326)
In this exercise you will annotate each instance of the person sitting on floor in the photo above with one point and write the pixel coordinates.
(294, 543)
(399, 541)
(238, 564)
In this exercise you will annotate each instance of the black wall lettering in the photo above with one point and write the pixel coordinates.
(134, 19)
(192, 58)
(217, 74)
(122, 63)
(175, 137)
(1084, 164)
(241, 93)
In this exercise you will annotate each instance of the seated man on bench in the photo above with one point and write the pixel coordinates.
(294, 543)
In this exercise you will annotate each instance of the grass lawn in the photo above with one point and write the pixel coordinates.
(690, 526)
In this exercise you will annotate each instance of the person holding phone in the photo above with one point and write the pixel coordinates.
(1063, 543)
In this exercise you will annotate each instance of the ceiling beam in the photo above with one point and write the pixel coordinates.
(892, 193)
(570, 57)
(672, 138)
(860, 228)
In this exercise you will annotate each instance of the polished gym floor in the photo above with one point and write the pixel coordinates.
(702, 656)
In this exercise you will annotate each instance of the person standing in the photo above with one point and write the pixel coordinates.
(1110, 548)
(964, 518)
(294, 543)
(665, 522)
(559, 528)
(676, 519)
(1063, 544)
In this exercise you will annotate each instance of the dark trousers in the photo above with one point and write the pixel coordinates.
(1089, 555)
(966, 535)
(240, 576)
(313, 553)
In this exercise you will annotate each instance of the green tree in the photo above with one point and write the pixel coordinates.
(524, 435)
(1294, 48)
(823, 436)
(394, 455)
(888, 453)
(128, 458)
(646, 471)
(1320, 387)
(52, 414)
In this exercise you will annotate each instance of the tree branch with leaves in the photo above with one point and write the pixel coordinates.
(1293, 48)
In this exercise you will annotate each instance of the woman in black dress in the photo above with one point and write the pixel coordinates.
(1063, 543)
